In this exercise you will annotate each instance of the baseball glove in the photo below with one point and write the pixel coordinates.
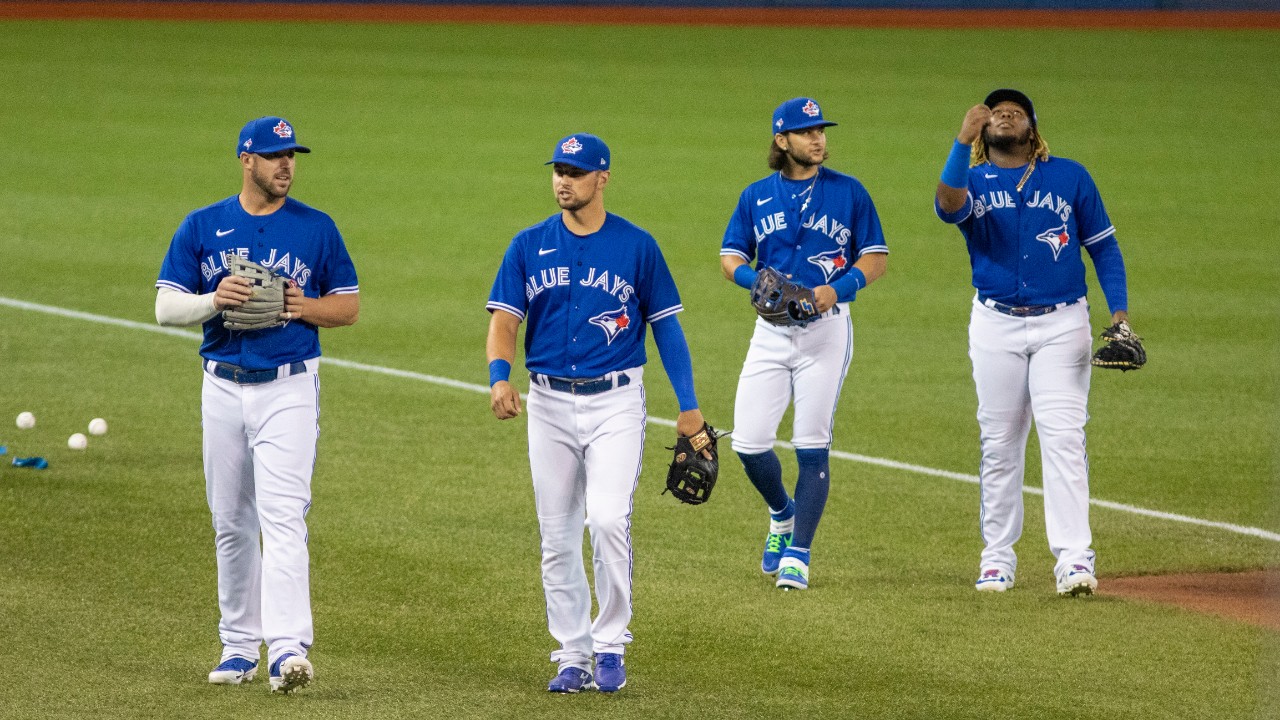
(692, 476)
(782, 302)
(264, 308)
(1123, 350)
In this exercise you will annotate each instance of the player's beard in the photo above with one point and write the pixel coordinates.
(1007, 143)
(805, 161)
(266, 182)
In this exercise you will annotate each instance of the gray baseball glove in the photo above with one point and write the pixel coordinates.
(263, 309)
(781, 302)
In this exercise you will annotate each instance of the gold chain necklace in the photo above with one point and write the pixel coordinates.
(1030, 167)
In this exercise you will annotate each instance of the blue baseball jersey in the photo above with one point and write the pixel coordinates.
(812, 230)
(1025, 247)
(586, 299)
(296, 241)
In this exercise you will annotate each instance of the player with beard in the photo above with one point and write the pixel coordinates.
(818, 227)
(1027, 218)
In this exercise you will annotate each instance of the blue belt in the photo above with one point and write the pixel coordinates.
(1024, 310)
(237, 374)
(592, 386)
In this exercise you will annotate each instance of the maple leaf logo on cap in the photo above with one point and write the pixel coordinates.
(571, 146)
(811, 109)
(283, 130)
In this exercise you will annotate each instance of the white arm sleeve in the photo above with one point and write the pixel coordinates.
(179, 308)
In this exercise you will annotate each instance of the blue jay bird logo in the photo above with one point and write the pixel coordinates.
(831, 262)
(1056, 239)
(612, 323)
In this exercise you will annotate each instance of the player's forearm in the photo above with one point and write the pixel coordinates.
(175, 308)
(1108, 264)
(674, 350)
(872, 265)
(729, 265)
(501, 342)
(331, 310)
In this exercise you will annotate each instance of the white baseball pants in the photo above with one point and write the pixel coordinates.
(1029, 368)
(585, 454)
(809, 363)
(259, 451)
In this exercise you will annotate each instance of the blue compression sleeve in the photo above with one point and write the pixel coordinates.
(849, 284)
(499, 370)
(1108, 263)
(674, 350)
(744, 276)
(956, 172)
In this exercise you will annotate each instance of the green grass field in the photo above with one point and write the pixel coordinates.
(428, 143)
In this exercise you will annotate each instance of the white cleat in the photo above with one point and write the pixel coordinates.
(290, 673)
(1076, 581)
(994, 580)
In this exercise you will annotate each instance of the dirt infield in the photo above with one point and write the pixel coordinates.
(1252, 597)
(615, 15)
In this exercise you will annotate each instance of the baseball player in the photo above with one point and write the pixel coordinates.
(260, 400)
(587, 282)
(820, 228)
(1026, 216)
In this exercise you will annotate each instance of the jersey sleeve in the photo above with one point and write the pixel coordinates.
(958, 216)
(867, 232)
(739, 238)
(508, 287)
(1092, 222)
(339, 277)
(181, 267)
(659, 297)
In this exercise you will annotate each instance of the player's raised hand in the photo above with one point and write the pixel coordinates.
(504, 400)
(974, 120)
(232, 292)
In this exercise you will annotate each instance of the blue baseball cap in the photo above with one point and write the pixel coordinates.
(798, 114)
(582, 150)
(1014, 96)
(268, 135)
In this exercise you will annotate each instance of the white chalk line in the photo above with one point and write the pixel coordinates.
(477, 388)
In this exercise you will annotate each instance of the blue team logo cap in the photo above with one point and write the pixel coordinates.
(1014, 96)
(798, 114)
(268, 135)
(582, 150)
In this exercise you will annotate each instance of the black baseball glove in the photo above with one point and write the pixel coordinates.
(782, 302)
(692, 476)
(1123, 350)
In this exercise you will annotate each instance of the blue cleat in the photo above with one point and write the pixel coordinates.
(611, 675)
(570, 680)
(793, 569)
(290, 672)
(234, 671)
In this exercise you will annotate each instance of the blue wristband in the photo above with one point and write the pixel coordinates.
(499, 370)
(744, 276)
(849, 284)
(956, 172)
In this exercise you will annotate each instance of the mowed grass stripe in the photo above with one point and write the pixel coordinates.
(473, 387)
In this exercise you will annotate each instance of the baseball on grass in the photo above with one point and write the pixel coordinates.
(77, 441)
(26, 420)
(97, 426)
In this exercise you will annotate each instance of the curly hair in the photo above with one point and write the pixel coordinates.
(1040, 149)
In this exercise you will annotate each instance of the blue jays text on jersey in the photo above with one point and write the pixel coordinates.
(586, 298)
(1025, 246)
(296, 241)
(812, 230)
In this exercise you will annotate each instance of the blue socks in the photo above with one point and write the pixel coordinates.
(811, 494)
(765, 472)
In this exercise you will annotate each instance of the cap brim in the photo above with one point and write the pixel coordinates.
(278, 148)
(819, 123)
(576, 163)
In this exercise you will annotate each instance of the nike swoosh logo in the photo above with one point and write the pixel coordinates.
(761, 202)
(989, 177)
(220, 233)
(546, 252)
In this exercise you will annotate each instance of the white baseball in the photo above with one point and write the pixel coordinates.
(26, 421)
(78, 441)
(97, 426)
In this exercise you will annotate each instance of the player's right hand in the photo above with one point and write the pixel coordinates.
(974, 121)
(504, 400)
(232, 292)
